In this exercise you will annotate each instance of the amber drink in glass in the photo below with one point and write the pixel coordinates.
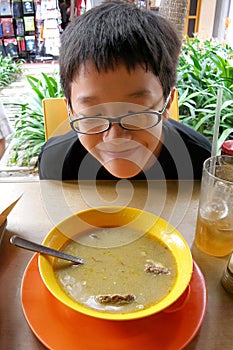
(214, 230)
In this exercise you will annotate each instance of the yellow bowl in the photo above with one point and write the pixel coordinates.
(110, 217)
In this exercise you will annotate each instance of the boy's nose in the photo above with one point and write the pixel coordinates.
(116, 131)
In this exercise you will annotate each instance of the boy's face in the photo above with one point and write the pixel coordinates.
(123, 153)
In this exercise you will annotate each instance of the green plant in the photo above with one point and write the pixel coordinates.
(29, 133)
(204, 67)
(28, 137)
(9, 70)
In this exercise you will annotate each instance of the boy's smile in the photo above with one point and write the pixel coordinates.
(124, 153)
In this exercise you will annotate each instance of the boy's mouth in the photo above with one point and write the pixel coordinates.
(117, 152)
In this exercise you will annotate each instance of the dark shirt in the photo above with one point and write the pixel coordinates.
(182, 156)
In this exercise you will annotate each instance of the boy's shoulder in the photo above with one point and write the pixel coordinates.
(60, 141)
(190, 136)
(54, 153)
(186, 148)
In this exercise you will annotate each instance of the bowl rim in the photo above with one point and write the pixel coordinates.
(175, 240)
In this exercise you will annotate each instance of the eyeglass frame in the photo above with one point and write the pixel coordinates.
(118, 119)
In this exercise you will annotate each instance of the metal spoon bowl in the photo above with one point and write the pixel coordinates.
(39, 248)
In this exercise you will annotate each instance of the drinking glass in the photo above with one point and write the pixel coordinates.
(214, 230)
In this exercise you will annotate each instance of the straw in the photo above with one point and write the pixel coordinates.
(214, 149)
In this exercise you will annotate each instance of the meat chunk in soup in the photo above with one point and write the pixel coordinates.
(156, 268)
(115, 299)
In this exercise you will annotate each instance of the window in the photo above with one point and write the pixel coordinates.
(192, 18)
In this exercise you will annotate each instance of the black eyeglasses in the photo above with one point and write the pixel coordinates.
(91, 125)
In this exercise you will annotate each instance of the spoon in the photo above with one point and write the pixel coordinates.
(35, 247)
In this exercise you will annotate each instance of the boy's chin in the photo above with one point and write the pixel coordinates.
(122, 168)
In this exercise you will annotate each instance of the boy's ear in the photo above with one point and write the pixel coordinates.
(173, 91)
(67, 104)
(172, 95)
(167, 112)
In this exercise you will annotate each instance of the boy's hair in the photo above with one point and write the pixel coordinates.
(116, 33)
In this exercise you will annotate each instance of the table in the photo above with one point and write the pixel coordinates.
(45, 203)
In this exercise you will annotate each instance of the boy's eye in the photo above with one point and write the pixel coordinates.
(90, 115)
(92, 124)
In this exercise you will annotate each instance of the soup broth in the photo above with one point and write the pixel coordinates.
(117, 277)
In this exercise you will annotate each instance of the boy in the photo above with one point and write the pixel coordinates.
(118, 72)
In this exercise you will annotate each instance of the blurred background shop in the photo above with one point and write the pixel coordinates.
(31, 29)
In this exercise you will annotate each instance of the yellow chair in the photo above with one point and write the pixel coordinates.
(56, 115)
